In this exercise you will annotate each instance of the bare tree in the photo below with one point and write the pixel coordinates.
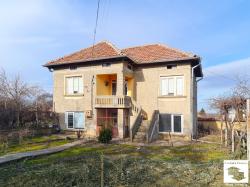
(234, 102)
(16, 90)
(241, 92)
(222, 105)
(43, 103)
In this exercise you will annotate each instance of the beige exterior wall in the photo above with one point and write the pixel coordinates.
(64, 103)
(143, 86)
(148, 92)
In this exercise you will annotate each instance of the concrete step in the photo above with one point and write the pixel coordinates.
(141, 129)
(139, 133)
(140, 136)
(144, 124)
(139, 140)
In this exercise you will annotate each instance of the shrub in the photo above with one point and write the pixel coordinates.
(105, 135)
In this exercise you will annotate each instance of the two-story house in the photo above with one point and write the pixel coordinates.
(138, 92)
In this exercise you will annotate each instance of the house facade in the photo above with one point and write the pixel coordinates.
(138, 92)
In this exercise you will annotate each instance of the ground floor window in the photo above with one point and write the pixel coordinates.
(171, 123)
(75, 120)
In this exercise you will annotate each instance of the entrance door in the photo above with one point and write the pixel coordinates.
(107, 118)
(114, 123)
(114, 87)
(126, 88)
(126, 123)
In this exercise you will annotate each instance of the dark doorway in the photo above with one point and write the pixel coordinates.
(114, 87)
(107, 118)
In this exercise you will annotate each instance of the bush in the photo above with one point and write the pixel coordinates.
(105, 135)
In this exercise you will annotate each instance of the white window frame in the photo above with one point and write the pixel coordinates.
(174, 86)
(172, 124)
(67, 121)
(73, 112)
(80, 89)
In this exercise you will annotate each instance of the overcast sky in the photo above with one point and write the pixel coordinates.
(33, 32)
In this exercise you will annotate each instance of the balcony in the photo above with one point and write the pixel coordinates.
(112, 101)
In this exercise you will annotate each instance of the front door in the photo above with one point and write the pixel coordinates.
(126, 88)
(107, 118)
(114, 87)
(126, 123)
(114, 124)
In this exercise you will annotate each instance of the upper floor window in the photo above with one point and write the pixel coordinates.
(72, 67)
(172, 86)
(171, 66)
(74, 85)
(106, 64)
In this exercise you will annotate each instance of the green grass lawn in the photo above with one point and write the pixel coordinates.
(32, 144)
(121, 165)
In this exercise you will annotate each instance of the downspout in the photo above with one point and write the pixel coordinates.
(51, 69)
(92, 95)
(53, 105)
(192, 100)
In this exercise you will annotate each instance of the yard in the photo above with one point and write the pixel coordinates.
(32, 144)
(94, 164)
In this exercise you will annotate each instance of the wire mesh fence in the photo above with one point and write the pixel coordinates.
(97, 169)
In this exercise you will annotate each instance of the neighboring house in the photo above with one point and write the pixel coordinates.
(139, 92)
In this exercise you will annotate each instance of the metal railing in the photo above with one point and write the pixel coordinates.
(135, 125)
(152, 131)
(137, 113)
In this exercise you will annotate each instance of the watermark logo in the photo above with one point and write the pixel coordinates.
(235, 171)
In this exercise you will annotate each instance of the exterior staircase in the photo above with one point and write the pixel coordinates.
(140, 136)
(142, 129)
(145, 130)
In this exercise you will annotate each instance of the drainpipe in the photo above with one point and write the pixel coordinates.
(192, 100)
(92, 95)
(51, 69)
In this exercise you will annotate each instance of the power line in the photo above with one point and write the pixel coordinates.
(105, 14)
(96, 24)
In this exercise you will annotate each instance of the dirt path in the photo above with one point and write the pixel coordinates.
(18, 156)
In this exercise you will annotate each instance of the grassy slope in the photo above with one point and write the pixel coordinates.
(125, 165)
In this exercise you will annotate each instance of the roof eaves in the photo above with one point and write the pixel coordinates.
(80, 61)
(169, 60)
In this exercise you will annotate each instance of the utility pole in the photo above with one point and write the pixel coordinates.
(248, 129)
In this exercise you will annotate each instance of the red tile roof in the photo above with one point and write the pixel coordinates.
(140, 55)
(154, 53)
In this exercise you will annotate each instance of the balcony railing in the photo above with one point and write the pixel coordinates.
(112, 101)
